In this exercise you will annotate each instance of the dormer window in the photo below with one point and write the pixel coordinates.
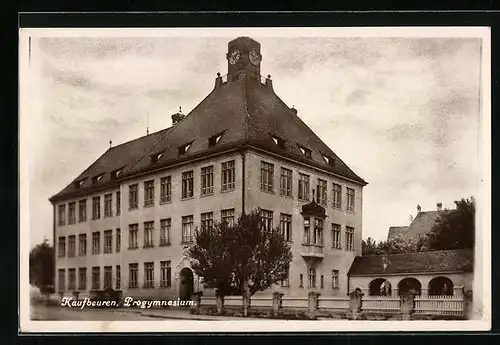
(184, 148)
(278, 141)
(80, 183)
(97, 178)
(156, 157)
(305, 151)
(214, 140)
(117, 173)
(329, 160)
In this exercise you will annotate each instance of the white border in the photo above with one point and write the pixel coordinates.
(482, 287)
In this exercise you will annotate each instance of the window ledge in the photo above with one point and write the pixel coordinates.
(228, 190)
(133, 248)
(166, 244)
(133, 208)
(149, 246)
(206, 194)
(188, 198)
(148, 287)
(351, 212)
(303, 200)
(108, 216)
(133, 287)
(166, 202)
(287, 196)
(268, 191)
(185, 243)
(165, 286)
(338, 248)
(149, 205)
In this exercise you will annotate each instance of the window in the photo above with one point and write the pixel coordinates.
(321, 282)
(118, 203)
(62, 214)
(156, 157)
(82, 246)
(207, 220)
(96, 278)
(107, 277)
(116, 174)
(187, 184)
(187, 229)
(267, 220)
(72, 213)
(82, 210)
(133, 272)
(149, 274)
(96, 242)
(62, 279)
(214, 140)
(307, 231)
(71, 279)
(337, 196)
(149, 193)
(118, 282)
(350, 199)
(133, 193)
(286, 182)
(62, 246)
(349, 238)
(148, 234)
(304, 187)
(96, 207)
(228, 216)
(336, 236)
(266, 176)
(322, 196)
(132, 236)
(279, 142)
(335, 279)
(301, 280)
(286, 226)
(318, 232)
(228, 175)
(165, 189)
(286, 282)
(72, 245)
(97, 178)
(118, 240)
(108, 205)
(312, 278)
(82, 278)
(207, 180)
(165, 274)
(108, 241)
(165, 225)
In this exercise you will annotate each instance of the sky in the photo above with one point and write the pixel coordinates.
(403, 113)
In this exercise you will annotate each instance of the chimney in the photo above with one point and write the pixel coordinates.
(294, 110)
(419, 208)
(411, 218)
(269, 82)
(218, 80)
(177, 117)
(439, 206)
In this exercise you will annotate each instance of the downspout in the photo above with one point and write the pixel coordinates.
(243, 185)
(54, 243)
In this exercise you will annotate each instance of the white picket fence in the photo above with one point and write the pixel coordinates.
(442, 305)
(333, 303)
(381, 304)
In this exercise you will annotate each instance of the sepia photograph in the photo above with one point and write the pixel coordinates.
(269, 179)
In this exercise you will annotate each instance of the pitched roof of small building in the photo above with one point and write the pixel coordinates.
(460, 260)
(421, 225)
(244, 112)
(395, 231)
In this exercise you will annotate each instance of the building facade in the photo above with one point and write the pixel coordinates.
(125, 222)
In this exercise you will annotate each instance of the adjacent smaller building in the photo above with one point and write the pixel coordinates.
(447, 272)
(419, 226)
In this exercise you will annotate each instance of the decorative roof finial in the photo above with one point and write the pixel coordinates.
(110, 143)
(180, 109)
(218, 74)
(268, 76)
(147, 130)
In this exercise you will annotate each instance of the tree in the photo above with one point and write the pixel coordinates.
(369, 247)
(42, 268)
(211, 260)
(261, 256)
(454, 229)
(396, 245)
(243, 256)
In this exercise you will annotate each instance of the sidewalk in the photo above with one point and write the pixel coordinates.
(182, 314)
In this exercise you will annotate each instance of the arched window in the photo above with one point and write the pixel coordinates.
(409, 284)
(380, 287)
(441, 286)
(312, 277)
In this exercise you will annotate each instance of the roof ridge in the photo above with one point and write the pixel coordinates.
(417, 253)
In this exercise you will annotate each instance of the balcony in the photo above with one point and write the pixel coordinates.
(312, 251)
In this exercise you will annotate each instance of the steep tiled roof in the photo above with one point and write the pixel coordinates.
(421, 262)
(245, 111)
(395, 231)
(421, 225)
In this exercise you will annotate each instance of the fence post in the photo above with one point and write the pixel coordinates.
(277, 299)
(312, 304)
(468, 311)
(407, 304)
(356, 303)
(219, 301)
(195, 308)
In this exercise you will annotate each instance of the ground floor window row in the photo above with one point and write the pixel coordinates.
(315, 279)
(438, 286)
(76, 279)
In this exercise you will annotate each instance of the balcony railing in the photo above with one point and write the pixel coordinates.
(312, 250)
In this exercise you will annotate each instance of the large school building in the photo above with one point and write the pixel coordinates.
(124, 223)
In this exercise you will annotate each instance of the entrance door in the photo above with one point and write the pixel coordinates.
(186, 284)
